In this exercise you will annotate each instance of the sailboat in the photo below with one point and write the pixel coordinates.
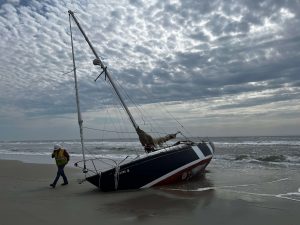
(158, 166)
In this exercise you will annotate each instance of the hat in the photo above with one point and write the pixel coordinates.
(57, 146)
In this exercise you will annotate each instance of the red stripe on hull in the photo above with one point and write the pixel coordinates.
(184, 174)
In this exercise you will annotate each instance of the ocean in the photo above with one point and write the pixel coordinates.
(230, 151)
(251, 168)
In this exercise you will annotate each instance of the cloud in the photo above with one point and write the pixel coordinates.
(158, 51)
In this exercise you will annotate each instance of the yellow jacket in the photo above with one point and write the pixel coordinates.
(61, 157)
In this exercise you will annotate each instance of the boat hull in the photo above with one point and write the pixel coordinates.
(158, 168)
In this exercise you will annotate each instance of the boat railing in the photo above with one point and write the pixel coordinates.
(92, 165)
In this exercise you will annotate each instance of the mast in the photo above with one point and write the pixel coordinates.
(98, 61)
(80, 121)
(145, 139)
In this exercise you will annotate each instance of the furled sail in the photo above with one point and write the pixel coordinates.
(148, 141)
(159, 141)
(145, 139)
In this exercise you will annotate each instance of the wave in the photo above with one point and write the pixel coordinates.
(77, 155)
(272, 158)
(232, 151)
(288, 140)
(5, 152)
(241, 157)
(258, 143)
(268, 158)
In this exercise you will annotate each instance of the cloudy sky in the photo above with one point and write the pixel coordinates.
(220, 68)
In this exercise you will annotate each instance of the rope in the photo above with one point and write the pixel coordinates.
(99, 179)
(166, 111)
(121, 115)
(153, 127)
(67, 72)
(123, 132)
(110, 131)
(117, 173)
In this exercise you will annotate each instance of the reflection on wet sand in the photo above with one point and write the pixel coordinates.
(164, 201)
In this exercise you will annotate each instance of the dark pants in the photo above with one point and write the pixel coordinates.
(60, 172)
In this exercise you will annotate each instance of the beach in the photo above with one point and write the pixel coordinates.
(226, 196)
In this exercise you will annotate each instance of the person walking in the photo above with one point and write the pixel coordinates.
(61, 158)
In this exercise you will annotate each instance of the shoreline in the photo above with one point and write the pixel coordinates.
(26, 197)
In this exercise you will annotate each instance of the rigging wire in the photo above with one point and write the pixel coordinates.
(121, 114)
(142, 113)
(116, 99)
(67, 72)
(122, 128)
(153, 124)
(169, 114)
(74, 69)
(136, 105)
(149, 123)
(109, 131)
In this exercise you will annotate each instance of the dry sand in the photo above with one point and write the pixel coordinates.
(26, 198)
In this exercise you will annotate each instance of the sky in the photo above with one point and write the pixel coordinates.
(213, 68)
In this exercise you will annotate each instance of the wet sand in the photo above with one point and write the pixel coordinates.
(26, 198)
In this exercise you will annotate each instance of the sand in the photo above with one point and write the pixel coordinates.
(26, 198)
